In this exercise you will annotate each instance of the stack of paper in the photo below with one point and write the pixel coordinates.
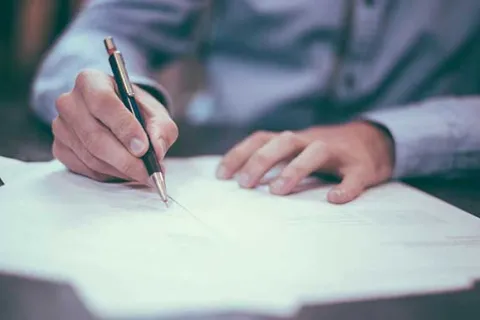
(219, 247)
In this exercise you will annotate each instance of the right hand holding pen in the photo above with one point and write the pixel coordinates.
(95, 135)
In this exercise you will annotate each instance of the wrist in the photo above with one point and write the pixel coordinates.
(381, 143)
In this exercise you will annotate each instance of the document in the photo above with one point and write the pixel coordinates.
(12, 170)
(222, 248)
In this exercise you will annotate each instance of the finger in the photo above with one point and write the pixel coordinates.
(238, 155)
(282, 147)
(163, 167)
(163, 133)
(97, 139)
(73, 163)
(98, 92)
(316, 156)
(352, 185)
(162, 130)
(68, 138)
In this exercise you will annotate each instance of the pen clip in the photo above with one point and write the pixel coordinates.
(123, 73)
(120, 66)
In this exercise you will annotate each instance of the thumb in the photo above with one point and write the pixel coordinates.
(352, 185)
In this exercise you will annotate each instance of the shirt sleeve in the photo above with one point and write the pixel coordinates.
(435, 137)
(149, 33)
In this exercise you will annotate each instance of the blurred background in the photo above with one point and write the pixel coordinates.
(30, 28)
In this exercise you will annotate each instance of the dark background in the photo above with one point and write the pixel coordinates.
(28, 28)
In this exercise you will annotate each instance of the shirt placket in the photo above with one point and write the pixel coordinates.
(364, 23)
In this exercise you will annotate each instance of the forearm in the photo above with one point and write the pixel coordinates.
(435, 137)
(148, 32)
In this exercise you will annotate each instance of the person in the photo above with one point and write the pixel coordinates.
(365, 90)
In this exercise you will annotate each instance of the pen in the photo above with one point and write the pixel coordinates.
(127, 95)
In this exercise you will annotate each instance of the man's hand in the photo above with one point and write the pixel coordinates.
(96, 136)
(359, 153)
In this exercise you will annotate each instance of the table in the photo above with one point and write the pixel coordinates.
(25, 138)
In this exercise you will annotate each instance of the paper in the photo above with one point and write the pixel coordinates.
(225, 248)
(15, 170)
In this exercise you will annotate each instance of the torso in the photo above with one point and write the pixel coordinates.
(284, 58)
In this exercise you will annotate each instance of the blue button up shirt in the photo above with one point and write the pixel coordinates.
(412, 66)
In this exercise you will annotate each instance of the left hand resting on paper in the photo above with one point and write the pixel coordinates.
(359, 153)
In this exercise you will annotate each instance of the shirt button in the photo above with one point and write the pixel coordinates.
(369, 3)
(349, 81)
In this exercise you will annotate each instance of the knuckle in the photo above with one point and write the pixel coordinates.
(62, 104)
(320, 146)
(261, 135)
(260, 159)
(82, 79)
(85, 76)
(230, 158)
(294, 171)
(104, 100)
(288, 137)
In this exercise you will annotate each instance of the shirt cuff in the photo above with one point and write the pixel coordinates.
(422, 140)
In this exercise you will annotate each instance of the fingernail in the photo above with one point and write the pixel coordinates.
(278, 186)
(244, 180)
(337, 194)
(136, 146)
(221, 172)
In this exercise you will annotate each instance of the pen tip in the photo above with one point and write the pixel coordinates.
(159, 184)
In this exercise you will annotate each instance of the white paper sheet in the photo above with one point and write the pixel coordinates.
(15, 170)
(221, 247)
